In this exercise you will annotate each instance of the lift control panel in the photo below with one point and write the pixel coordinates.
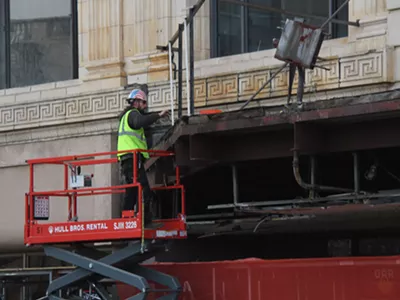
(41, 228)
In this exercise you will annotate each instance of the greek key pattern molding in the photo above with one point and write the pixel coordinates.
(348, 71)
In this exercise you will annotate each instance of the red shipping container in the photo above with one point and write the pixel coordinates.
(371, 278)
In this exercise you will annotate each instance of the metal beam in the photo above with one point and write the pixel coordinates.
(264, 85)
(364, 107)
(192, 13)
(313, 187)
(26, 273)
(88, 266)
(250, 146)
(80, 274)
(235, 185)
(206, 148)
(117, 266)
(160, 278)
(180, 69)
(33, 270)
(183, 154)
(331, 17)
(356, 173)
(312, 138)
(309, 139)
(262, 118)
(101, 291)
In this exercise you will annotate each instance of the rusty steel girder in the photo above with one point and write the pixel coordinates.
(306, 138)
(325, 126)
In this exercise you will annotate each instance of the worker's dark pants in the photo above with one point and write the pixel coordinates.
(131, 195)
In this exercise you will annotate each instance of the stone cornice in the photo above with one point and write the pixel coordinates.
(66, 131)
(57, 132)
(358, 69)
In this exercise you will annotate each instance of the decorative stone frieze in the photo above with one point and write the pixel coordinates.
(370, 67)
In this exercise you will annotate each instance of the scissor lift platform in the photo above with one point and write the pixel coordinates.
(123, 264)
(104, 230)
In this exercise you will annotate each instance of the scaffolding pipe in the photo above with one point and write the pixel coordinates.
(25, 264)
(188, 22)
(330, 19)
(356, 173)
(312, 179)
(276, 204)
(187, 67)
(308, 186)
(191, 60)
(11, 271)
(235, 186)
(196, 8)
(264, 85)
(171, 84)
(180, 68)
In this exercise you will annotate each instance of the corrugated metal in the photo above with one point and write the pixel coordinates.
(374, 278)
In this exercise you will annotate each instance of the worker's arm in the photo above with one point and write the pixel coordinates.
(136, 120)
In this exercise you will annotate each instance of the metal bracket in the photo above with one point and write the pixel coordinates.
(94, 270)
(165, 48)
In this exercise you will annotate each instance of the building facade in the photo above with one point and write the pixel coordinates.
(64, 67)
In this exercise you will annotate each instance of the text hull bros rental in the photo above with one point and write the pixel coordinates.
(92, 227)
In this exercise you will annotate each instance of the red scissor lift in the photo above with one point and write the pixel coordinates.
(140, 243)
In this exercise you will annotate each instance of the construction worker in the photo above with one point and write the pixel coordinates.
(132, 122)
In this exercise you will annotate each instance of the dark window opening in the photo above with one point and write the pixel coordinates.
(239, 29)
(38, 42)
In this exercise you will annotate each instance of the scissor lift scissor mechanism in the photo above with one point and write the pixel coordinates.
(132, 242)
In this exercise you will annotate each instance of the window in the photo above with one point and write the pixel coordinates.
(240, 29)
(38, 42)
(2, 43)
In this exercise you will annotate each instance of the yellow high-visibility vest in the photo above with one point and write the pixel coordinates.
(131, 139)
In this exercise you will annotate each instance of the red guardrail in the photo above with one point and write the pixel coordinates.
(129, 226)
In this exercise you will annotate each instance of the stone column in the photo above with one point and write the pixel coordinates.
(373, 19)
(366, 59)
(148, 23)
(393, 37)
(393, 7)
(101, 41)
(201, 29)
